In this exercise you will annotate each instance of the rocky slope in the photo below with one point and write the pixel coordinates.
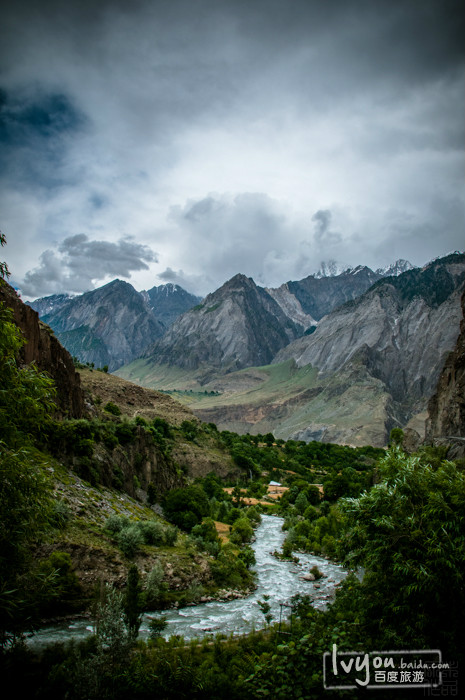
(237, 326)
(43, 348)
(446, 408)
(402, 328)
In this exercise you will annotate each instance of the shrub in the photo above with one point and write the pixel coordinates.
(112, 408)
(115, 523)
(316, 572)
(241, 531)
(152, 532)
(129, 540)
(157, 626)
(125, 433)
(60, 514)
(171, 535)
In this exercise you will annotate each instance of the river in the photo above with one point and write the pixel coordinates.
(280, 580)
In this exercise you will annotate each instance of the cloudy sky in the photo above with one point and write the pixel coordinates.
(188, 140)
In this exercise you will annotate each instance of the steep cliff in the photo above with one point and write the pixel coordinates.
(446, 408)
(43, 348)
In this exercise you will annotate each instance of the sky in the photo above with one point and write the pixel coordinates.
(186, 141)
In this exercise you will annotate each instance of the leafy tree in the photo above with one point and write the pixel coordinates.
(26, 401)
(132, 601)
(186, 507)
(408, 532)
(241, 531)
(396, 436)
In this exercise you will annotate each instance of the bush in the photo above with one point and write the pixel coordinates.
(115, 523)
(112, 408)
(60, 514)
(157, 626)
(171, 535)
(152, 531)
(241, 531)
(154, 585)
(129, 540)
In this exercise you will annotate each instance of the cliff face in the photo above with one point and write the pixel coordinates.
(48, 354)
(446, 407)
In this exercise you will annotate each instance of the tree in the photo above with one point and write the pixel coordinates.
(408, 533)
(186, 507)
(4, 271)
(132, 604)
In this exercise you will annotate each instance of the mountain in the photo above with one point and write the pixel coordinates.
(50, 304)
(237, 326)
(308, 300)
(318, 296)
(403, 326)
(168, 301)
(369, 366)
(107, 326)
(331, 268)
(395, 269)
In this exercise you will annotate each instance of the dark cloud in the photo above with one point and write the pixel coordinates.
(210, 129)
(36, 129)
(79, 262)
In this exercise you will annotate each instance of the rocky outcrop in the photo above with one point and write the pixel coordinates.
(239, 325)
(291, 306)
(446, 408)
(43, 348)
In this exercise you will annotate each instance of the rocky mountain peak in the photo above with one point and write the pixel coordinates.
(331, 268)
(395, 269)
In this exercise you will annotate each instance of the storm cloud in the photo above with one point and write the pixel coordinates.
(229, 136)
(78, 262)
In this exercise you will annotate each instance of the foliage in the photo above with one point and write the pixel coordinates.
(26, 395)
(112, 408)
(132, 601)
(4, 271)
(154, 585)
(408, 533)
(157, 626)
(186, 507)
(241, 531)
(129, 540)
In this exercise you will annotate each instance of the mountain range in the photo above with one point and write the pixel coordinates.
(114, 324)
(342, 355)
